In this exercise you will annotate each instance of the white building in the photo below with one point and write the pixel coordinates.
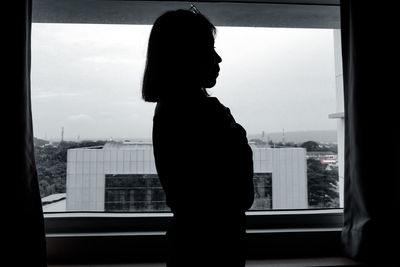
(289, 175)
(122, 176)
(339, 115)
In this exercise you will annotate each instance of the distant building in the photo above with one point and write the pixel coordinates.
(327, 158)
(121, 176)
(287, 168)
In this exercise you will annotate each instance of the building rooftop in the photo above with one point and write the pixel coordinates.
(128, 145)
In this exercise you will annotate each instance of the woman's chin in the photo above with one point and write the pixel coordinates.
(210, 83)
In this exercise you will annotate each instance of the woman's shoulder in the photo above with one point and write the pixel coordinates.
(177, 113)
(208, 109)
(214, 105)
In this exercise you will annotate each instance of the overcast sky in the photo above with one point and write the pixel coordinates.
(87, 79)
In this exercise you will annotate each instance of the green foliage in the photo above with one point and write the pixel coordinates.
(312, 146)
(322, 186)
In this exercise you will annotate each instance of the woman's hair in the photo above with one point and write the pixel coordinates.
(176, 48)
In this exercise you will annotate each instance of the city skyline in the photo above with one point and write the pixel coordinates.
(107, 171)
(295, 137)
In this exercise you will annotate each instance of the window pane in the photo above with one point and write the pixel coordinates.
(93, 131)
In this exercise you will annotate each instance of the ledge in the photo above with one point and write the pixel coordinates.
(337, 115)
(98, 222)
(126, 237)
(152, 246)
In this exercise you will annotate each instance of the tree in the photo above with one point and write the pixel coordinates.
(311, 146)
(322, 186)
(314, 146)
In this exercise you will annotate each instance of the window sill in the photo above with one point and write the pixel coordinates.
(98, 222)
(338, 115)
(102, 237)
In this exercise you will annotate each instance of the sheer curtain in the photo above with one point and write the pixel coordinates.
(370, 232)
(24, 227)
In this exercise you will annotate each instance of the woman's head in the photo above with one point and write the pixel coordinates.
(180, 58)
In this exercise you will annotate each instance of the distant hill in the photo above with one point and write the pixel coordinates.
(328, 136)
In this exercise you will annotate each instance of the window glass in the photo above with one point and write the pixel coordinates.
(93, 131)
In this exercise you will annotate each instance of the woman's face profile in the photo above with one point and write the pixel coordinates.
(180, 54)
(211, 67)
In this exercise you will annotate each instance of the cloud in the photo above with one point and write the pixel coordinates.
(80, 118)
(48, 94)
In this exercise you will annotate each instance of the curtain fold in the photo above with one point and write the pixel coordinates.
(370, 232)
(25, 243)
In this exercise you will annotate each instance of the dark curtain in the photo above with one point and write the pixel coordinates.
(24, 226)
(370, 232)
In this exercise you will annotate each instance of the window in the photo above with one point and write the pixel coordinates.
(87, 111)
(262, 191)
(91, 125)
(134, 192)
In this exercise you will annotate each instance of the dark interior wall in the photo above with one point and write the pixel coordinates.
(221, 13)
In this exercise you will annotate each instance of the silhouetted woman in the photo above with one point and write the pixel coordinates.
(202, 155)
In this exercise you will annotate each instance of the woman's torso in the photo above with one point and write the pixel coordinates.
(202, 157)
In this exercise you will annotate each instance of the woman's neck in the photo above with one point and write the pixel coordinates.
(190, 92)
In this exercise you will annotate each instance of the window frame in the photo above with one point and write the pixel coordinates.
(76, 237)
(98, 237)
